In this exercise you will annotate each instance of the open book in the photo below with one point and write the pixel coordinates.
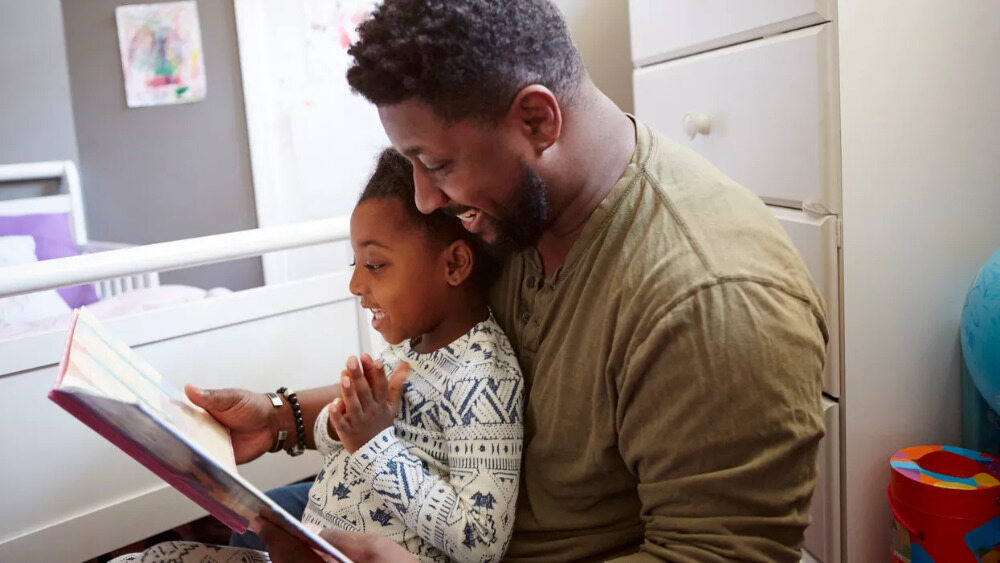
(121, 397)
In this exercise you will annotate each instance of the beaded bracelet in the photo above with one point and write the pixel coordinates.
(300, 427)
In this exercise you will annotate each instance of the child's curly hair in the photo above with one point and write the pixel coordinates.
(393, 178)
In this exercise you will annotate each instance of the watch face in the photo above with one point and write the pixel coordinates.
(275, 400)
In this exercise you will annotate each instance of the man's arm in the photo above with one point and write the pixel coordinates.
(252, 420)
(311, 402)
(719, 419)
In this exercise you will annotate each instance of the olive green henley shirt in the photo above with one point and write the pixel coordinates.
(673, 366)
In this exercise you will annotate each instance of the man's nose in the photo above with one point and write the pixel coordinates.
(428, 198)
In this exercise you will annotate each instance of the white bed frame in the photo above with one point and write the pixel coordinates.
(68, 495)
(71, 202)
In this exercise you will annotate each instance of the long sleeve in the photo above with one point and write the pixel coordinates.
(325, 444)
(748, 358)
(468, 514)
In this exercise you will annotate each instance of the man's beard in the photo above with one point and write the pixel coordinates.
(525, 219)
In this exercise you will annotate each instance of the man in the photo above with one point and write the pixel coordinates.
(670, 336)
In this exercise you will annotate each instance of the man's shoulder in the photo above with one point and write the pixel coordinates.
(704, 227)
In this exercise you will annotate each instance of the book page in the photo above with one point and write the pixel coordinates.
(100, 364)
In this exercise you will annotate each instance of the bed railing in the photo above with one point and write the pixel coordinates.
(165, 256)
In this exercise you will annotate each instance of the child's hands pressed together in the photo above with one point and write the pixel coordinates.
(368, 401)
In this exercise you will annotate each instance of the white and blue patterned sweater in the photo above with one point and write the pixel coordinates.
(442, 481)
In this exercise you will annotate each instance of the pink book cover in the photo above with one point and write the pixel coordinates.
(138, 430)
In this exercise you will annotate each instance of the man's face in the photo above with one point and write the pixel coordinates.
(471, 170)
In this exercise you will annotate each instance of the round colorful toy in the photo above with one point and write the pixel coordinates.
(945, 504)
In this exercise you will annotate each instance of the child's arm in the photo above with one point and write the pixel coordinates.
(470, 514)
(324, 436)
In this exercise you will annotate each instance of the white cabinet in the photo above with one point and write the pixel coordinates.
(665, 29)
(823, 536)
(816, 238)
(760, 111)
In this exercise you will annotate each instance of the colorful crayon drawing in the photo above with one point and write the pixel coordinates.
(161, 52)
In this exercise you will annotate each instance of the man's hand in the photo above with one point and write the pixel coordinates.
(366, 548)
(361, 548)
(248, 415)
(368, 401)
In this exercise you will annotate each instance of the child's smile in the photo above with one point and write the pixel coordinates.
(399, 273)
(379, 318)
(414, 271)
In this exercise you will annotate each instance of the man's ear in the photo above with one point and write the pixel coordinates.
(536, 115)
(459, 260)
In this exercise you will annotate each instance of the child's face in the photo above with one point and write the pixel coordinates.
(398, 273)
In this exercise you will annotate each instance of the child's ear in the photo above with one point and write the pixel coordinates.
(459, 260)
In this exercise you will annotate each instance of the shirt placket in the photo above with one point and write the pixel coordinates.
(536, 294)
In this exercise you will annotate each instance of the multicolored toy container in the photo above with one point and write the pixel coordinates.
(945, 504)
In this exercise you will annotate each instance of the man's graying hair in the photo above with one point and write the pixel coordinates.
(464, 58)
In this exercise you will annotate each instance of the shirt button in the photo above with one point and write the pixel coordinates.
(525, 317)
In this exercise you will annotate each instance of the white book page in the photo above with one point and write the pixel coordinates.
(100, 364)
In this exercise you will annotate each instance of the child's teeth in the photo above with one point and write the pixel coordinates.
(468, 215)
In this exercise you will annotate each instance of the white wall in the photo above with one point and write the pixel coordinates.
(36, 115)
(921, 172)
(600, 30)
(163, 173)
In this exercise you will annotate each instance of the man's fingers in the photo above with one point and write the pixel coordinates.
(283, 548)
(354, 545)
(360, 382)
(348, 395)
(396, 382)
(214, 400)
(197, 396)
(366, 548)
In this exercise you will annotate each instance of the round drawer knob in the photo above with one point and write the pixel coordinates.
(695, 123)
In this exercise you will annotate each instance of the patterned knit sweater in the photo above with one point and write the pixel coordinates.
(442, 481)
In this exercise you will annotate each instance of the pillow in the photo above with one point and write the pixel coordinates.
(29, 307)
(146, 299)
(53, 239)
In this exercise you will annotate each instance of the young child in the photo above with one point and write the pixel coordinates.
(439, 474)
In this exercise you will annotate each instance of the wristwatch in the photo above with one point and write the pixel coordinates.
(279, 443)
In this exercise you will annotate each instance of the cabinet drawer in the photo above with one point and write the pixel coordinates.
(666, 29)
(763, 112)
(816, 240)
(823, 534)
